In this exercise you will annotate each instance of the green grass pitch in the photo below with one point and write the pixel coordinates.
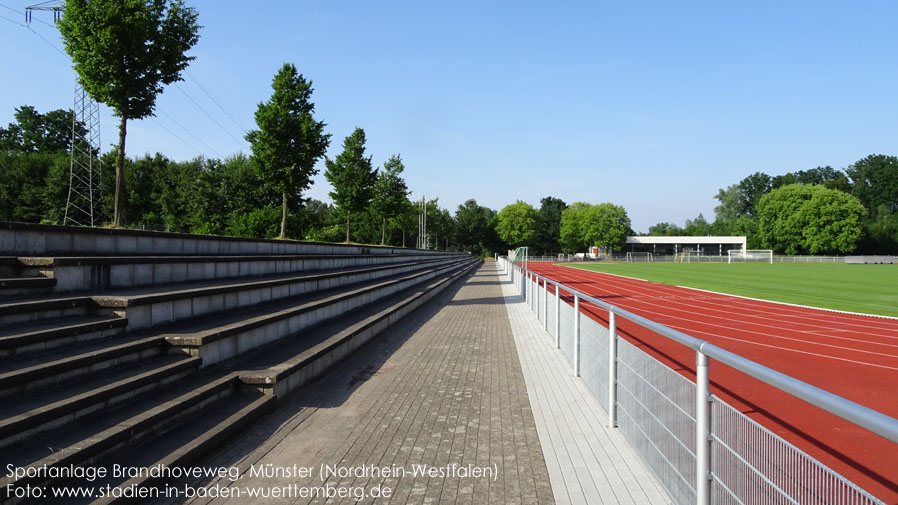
(869, 289)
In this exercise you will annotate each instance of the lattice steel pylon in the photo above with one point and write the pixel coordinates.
(82, 206)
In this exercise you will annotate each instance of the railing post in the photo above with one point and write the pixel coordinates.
(524, 284)
(576, 335)
(612, 369)
(545, 305)
(702, 430)
(557, 316)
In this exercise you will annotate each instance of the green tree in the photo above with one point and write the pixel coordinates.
(35, 132)
(698, 227)
(124, 52)
(573, 237)
(607, 225)
(390, 193)
(352, 177)
(517, 224)
(548, 233)
(810, 219)
(665, 230)
(751, 190)
(289, 142)
(473, 230)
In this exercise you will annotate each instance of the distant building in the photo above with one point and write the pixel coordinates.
(705, 246)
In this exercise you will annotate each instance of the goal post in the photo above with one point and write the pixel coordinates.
(687, 257)
(750, 256)
(640, 257)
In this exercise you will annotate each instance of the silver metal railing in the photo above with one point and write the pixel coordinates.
(701, 449)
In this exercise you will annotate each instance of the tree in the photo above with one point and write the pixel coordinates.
(517, 224)
(572, 236)
(698, 227)
(801, 218)
(751, 189)
(352, 176)
(36, 132)
(390, 192)
(472, 228)
(289, 142)
(607, 225)
(665, 230)
(548, 233)
(124, 52)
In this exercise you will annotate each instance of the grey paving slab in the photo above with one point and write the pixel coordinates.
(587, 462)
(442, 393)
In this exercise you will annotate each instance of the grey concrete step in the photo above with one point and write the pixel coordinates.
(289, 363)
(183, 446)
(33, 337)
(107, 433)
(20, 376)
(154, 306)
(23, 418)
(238, 332)
(24, 310)
(83, 273)
(25, 286)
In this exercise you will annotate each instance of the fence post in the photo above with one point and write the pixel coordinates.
(702, 430)
(576, 335)
(612, 369)
(557, 316)
(545, 305)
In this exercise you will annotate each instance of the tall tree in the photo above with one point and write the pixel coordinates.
(548, 233)
(607, 225)
(390, 192)
(351, 176)
(124, 52)
(289, 142)
(517, 224)
(36, 132)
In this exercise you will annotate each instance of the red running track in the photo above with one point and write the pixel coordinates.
(853, 356)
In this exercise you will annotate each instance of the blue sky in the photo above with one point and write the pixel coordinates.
(649, 105)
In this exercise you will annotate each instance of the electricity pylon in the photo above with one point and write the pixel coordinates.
(82, 207)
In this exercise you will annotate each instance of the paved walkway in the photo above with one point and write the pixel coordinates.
(436, 410)
(587, 462)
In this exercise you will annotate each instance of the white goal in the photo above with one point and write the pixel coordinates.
(687, 257)
(640, 257)
(750, 256)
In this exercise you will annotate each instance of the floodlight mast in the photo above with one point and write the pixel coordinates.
(82, 206)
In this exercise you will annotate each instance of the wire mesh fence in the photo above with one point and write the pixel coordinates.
(656, 410)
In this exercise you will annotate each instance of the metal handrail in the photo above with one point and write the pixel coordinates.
(865, 417)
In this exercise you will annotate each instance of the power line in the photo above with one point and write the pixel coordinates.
(175, 135)
(190, 133)
(216, 102)
(12, 21)
(207, 113)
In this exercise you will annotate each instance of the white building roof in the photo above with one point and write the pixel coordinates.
(687, 240)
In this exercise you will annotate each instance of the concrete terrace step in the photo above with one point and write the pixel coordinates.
(23, 286)
(20, 376)
(186, 444)
(38, 413)
(24, 310)
(104, 434)
(154, 306)
(82, 273)
(32, 337)
(238, 332)
(301, 357)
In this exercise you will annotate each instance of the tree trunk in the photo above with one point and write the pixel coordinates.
(383, 231)
(283, 216)
(403, 237)
(347, 225)
(119, 169)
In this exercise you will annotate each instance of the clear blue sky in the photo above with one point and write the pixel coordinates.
(649, 105)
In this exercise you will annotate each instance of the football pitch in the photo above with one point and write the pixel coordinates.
(869, 289)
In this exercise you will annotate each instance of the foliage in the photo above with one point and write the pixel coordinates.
(584, 225)
(474, 229)
(124, 52)
(548, 233)
(289, 142)
(517, 224)
(698, 227)
(665, 230)
(809, 219)
(390, 193)
(35, 132)
(352, 177)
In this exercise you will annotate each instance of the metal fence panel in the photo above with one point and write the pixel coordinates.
(656, 412)
(566, 314)
(753, 465)
(594, 358)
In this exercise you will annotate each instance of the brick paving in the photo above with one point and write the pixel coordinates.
(442, 390)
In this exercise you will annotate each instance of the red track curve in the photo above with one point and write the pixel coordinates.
(853, 356)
